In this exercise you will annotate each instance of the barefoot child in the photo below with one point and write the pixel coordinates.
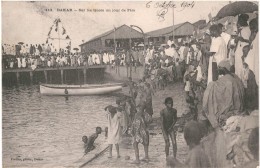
(113, 129)
(140, 132)
(168, 120)
(89, 142)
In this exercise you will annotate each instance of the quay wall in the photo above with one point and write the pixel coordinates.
(57, 75)
(71, 75)
(121, 73)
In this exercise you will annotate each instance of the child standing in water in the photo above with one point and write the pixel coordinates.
(168, 120)
(113, 129)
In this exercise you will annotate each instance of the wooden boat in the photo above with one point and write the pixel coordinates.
(68, 90)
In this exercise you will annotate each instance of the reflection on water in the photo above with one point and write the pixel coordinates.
(47, 130)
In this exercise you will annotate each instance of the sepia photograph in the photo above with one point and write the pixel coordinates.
(130, 84)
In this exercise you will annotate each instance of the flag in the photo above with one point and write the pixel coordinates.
(68, 47)
(63, 31)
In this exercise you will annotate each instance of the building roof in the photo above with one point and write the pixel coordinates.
(167, 30)
(200, 24)
(122, 32)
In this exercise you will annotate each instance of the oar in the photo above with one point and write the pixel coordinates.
(80, 159)
(96, 156)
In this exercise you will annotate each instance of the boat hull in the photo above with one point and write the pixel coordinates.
(70, 90)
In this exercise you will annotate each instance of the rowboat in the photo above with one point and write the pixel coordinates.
(69, 90)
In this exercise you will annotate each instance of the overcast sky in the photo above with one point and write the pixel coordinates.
(29, 22)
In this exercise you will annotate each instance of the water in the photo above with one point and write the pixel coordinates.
(46, 131)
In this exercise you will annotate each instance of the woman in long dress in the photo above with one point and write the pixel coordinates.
(243, 40)
(252, 56)
(113, 117)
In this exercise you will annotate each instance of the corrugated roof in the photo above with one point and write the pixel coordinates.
(200, 24)
(99, 36)
(122, 32)
(163, 31)
(102, 35)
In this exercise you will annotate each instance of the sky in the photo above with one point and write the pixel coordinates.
(30, 22)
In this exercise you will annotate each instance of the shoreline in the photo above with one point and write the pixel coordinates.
(157, 157)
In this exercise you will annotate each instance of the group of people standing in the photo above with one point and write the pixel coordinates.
(44, 61)
(133, 116)
(221, 86)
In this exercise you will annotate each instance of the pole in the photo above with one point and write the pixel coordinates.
(59, 37)
(115, 38)
(144, 54)
(172, 24)
(144, 44)
(117, 68)
(129, 55)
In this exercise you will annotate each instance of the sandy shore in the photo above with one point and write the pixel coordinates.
(157, 145)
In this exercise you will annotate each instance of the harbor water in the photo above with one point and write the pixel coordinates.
(46, 131)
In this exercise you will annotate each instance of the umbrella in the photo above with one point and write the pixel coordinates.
(237, 8)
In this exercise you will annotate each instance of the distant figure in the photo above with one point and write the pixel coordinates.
(251, 88)
(113, 117)
(89, 142)
(178, 70)
(168, 120)
(106, 131)
(149, 99)
(132, 88)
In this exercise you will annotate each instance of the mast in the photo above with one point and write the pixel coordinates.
(59, 37)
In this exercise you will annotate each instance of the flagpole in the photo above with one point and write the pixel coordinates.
(58, 36)
(117, 67)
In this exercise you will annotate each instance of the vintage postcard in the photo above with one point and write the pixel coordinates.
(130, 84)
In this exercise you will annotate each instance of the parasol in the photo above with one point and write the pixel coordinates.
(236, 8)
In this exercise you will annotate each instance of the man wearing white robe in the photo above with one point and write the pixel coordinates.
(218, 49)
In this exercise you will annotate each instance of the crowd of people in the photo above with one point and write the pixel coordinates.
(220, 76)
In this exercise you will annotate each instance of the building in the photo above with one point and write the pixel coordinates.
(122, 36)
(200, 24)
(181, 31)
